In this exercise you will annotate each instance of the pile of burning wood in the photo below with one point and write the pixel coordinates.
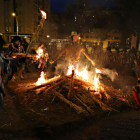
(75, 90)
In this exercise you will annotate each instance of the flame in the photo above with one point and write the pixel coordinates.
(98, 71)
(44, 15)
(70, 70)
(42, 79)
(116, 73)
(96, 83)
(84, 75)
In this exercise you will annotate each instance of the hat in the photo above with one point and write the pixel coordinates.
(73, 33)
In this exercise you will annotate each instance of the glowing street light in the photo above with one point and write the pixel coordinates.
(14, 15)
(48, 36)
(79, 37)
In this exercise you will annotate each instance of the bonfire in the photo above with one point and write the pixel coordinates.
(77, 90)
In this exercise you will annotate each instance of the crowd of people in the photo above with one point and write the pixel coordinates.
(113, 57)
(17, 45)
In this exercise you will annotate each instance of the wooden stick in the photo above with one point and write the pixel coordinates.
(78, 109)
(56, 85)
(107, 95)
(84, 99)
(100, 95)
(71, 85)
(102, 105)
(88, 108)
(51, 81)
(40, 91)
(53, 99)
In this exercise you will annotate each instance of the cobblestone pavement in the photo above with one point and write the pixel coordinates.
(123, 126)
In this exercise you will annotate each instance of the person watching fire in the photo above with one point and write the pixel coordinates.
(73, 51)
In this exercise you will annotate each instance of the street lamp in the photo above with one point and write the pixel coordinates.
(48, 36)
(14, 15)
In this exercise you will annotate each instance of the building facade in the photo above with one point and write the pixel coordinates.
(101, 37)
(53, 25)
(27, 15)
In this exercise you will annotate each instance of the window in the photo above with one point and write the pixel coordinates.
(6, 20)
(16, 5)
(116, 38)
(6, 13)
(35, 16)
(115, 32)
(20, 2)
(35, 23)
(6, 29)
(20, 12)
(34, 30)
(39, 3)
(6, 5)
(9, 28)
(35, 1)
(35, 8)
(108, 36)
(20, 29)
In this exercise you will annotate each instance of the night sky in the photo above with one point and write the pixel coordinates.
(58, 5)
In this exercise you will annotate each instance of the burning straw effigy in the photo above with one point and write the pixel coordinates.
(81, 95)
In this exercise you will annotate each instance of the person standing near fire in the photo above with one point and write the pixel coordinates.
(73, 51)
(2, 92)
(42, 57)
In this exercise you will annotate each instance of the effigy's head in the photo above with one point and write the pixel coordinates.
(74, 36)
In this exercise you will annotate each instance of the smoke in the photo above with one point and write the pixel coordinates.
(58, 69)
(110, 73)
